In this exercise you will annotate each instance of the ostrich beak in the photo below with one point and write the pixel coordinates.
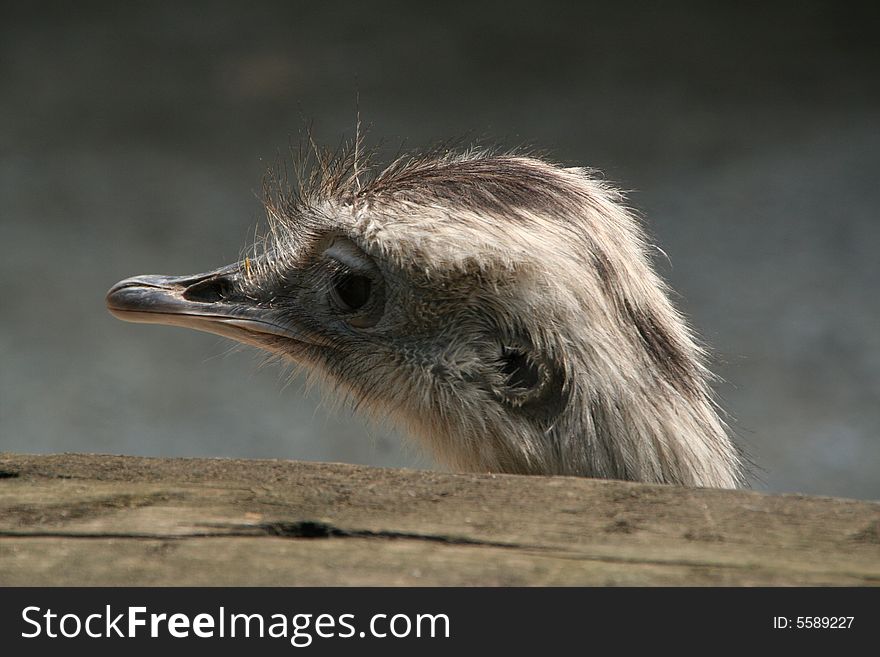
(207, 302)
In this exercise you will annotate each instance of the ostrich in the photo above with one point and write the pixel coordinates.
(498, 307)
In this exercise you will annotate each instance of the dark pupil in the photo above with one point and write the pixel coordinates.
(519, 371)
(353, 290)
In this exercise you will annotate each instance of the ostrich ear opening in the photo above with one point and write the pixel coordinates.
(531, 381)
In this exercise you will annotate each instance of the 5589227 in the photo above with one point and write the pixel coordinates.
(823, 622)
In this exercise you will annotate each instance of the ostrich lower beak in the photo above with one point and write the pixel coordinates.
(205, 302)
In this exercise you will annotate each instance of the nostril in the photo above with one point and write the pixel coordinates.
(209, 291)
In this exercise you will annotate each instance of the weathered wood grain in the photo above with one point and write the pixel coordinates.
(77, 519)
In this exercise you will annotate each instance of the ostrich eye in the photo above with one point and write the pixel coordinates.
(351, 292)
(356, 284)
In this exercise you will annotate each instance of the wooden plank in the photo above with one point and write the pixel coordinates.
(76, 519)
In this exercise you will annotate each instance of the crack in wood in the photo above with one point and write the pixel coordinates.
(306, 529)
(316, 529)
(310, 529)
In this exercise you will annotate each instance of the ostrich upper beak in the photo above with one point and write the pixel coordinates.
(206, 302)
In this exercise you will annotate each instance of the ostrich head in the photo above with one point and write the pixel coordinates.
(501, 309)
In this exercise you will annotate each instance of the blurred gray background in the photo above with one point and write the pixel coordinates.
(133, 137)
